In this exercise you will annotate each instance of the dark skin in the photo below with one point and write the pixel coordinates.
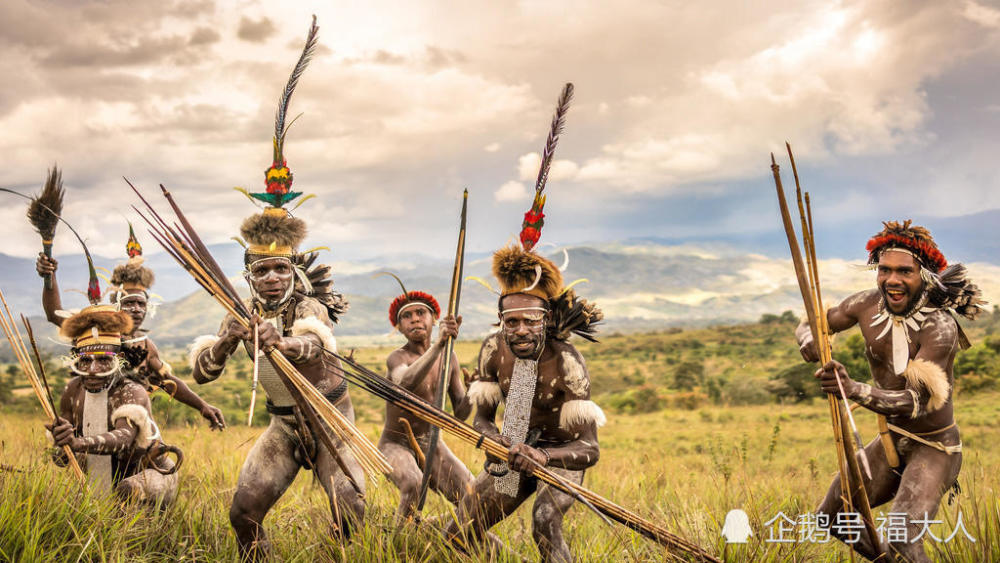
(917, 486)
(562, 377)
(152, 369)
(523, 335)
(64, 432)
(271, 280)
(416, 366)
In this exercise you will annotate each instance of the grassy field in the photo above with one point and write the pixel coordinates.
(683, 469)
(699, 453)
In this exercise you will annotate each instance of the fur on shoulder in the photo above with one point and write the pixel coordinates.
(315, 326)
(922, 374)
(577, 413)
(485, 393)
(139, 416)
(200, 344)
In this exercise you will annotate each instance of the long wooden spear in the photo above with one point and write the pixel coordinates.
(851, 482)
(445, 379)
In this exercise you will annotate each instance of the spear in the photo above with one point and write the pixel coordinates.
(449, 347)
(823, 342)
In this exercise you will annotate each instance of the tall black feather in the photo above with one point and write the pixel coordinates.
(44, 211)
(286, 95)
(558, 123)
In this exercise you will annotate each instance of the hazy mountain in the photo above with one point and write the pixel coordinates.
(640, 285)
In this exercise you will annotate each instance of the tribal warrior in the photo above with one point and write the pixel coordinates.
(549, 419)
(131, 282)
(416, 367)
(292, 314)
(911, 337)
(294, 309)
(105, 418)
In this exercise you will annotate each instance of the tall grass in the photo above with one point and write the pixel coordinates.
(685, 469)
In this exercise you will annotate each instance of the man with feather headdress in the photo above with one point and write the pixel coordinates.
(415, 367)
(541, 379)
(294, 310)
(911, 335)
(105, 418)
(130, 284)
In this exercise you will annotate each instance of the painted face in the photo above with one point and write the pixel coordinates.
(899, 281)
(135, 304)
(96, 371)
(523, 330)
(415, 323)
(272, 278)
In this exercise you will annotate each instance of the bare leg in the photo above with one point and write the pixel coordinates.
(346, 505)
(482, 508)
(451, 477)
(149, 487)
(406, 475)
(269, 469)
(880, 490)
(928, 474)
(547, 516)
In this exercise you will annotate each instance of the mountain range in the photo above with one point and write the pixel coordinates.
(639, 284)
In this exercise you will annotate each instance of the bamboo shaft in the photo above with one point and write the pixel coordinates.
(200, 265)
(444, 381)
(852, 484)
(183, 244)
(21, 352)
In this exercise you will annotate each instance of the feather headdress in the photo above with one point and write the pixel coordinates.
(409, 298)
(318, 284)
(947, 286)
(519, 269)
(534, 219)
(274, 232)
(905, 235)
(44, 210)
(133, 275)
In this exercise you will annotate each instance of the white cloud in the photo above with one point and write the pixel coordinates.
(403, 105)
(527, 166)
(511, 191)
(984, 15)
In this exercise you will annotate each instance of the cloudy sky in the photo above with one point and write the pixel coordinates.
(892, 108)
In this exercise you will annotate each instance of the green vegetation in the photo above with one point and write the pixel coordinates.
(700, 422)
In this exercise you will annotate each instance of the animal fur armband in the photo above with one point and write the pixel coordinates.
(921, 374)
(485, 393)
(315, 326)
(578, 412)
(202, 343)
(140, 418)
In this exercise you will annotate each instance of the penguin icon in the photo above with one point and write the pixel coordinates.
(737, 527)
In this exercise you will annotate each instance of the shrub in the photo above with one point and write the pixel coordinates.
(746, 391)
